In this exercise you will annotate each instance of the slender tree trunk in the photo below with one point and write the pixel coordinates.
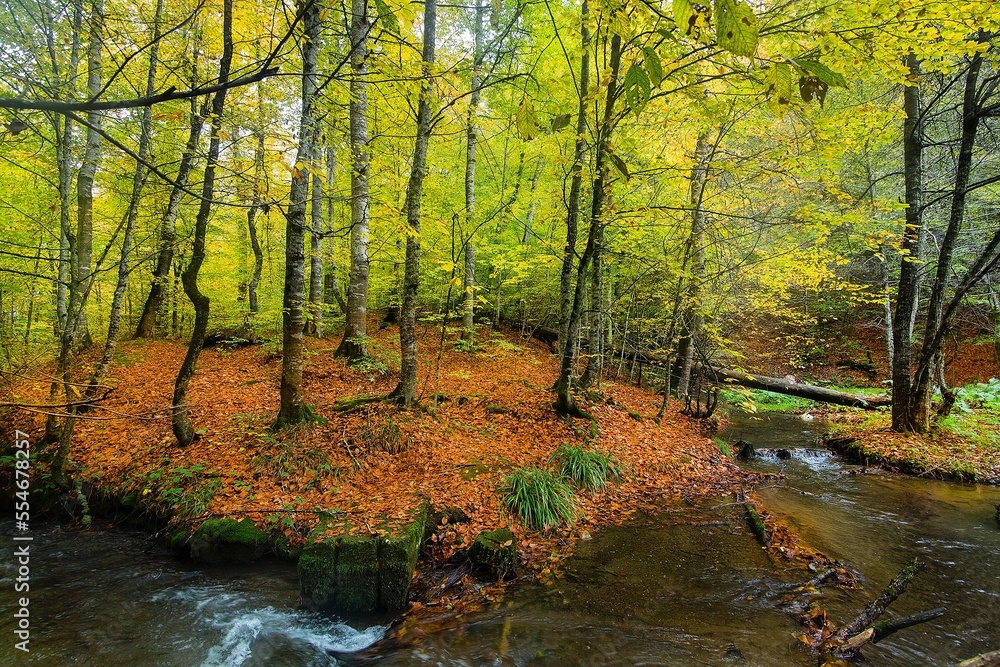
(258, 198)
(406, 392)
(315, 324)
(355, 343)
(291, 411)
(469, 250)
(565, 403)
(595, 357)
(576, 185)
(529, 220)
(182, 426)
(923, 384)
(909, 269)
(131, 214)
(88, 170)
(692, 317)
(331, 284)
(146, 328)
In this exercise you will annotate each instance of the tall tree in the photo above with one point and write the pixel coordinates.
(184, 430)
(314, 326)
(354, 345)
(471, 134)
(291, 410)
(406, 391)
(146, 327)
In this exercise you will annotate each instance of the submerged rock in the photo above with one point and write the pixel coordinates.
(495, 553)
(220, 541)
(348, 573)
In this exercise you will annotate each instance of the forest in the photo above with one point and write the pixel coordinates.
(390, 287)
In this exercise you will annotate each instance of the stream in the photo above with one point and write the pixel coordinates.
(690, 588)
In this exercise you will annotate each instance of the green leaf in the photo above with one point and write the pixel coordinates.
(527, 121)
(388, 19)
(637, 87)
(778, 87)
(559, 122)
(653, 66)
(737, 29)
(619, 165)
(693, 19)
(822, 72)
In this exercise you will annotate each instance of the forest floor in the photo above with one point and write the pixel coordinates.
(493, 413)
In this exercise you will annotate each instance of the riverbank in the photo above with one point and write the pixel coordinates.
(486, 415)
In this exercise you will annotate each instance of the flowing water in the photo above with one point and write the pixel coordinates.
(689, 588)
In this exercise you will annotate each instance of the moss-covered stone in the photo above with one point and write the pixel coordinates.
(494, 552)
(360, 573)
(219, 541)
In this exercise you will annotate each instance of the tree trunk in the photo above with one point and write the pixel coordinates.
(182, 426)
(595, 345)
(355, 343)
(406, 392)
(576, 185)
(910, 265)
(565, 403)
(88, 170)
(469, 250)
(692, 317)
(146, 327)
(923, 382)
(291, 411)
(258, 253)
(331, 282)
(131, 214)
(315, 324)
(529, 220)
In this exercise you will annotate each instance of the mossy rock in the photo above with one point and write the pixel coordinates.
(494, 552)
(353, 574)
(219, 541)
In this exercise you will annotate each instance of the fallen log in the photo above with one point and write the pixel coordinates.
(790, 387)
(991, 659)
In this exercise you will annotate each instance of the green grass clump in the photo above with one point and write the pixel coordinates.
(723, 446)
(538, 498)
(586, 468)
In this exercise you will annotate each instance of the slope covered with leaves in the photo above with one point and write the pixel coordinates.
(485, 414)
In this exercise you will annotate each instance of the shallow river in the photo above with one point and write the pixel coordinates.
(677, 589)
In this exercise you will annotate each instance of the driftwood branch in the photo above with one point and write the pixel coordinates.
(872, 612)
(883, 629)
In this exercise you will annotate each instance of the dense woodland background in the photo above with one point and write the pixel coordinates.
(637, 177)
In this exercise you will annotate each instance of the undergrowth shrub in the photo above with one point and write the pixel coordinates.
(382, 436)
(586, 468)
(539, 498)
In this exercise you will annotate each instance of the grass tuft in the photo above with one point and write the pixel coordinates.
(538, 498)
(586, 468)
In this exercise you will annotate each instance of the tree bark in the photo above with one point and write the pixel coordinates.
(910, 267)
(258, 253)
(183, 428)
(355, 343)
(131, 214)
(692, 316)
(923, 381)
(314, 326)
(565, 403)
(469, 250)
(291, 410)
(88, 171)
(331, 282)
(146, 328)
(576, 185)
(406, 392)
